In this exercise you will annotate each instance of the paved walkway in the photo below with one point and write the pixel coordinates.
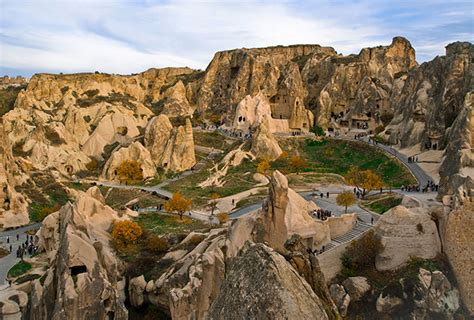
(10, 260)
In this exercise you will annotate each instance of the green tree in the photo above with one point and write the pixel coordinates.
(318, 131)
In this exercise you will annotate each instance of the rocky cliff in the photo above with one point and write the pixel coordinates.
(83, 280)
(13, 206)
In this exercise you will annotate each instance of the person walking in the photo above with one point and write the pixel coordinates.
(8, 239)
(327, 194)
(372, 220)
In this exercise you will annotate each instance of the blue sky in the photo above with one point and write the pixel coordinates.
(131, 36)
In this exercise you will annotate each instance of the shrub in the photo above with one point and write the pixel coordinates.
(360, 254)
(92, 165)
(317, 130)
(298, 163)
(263, 167)
(379, 129)
(223, 217)
(130, 172)
(156, 244)
(46, 211)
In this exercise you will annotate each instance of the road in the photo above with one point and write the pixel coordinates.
(10, 260)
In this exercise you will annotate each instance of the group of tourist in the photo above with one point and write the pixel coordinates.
(430, 186)
(412, 159)
(321, 214)
(235, 133)
(316, 251)
(27, 247)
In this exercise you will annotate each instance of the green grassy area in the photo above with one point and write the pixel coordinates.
(337, 156)
(210, 140)
(238, 179)
(308, 178)
(117, 198)
(18, 269)
(380, 203)
(161, 224)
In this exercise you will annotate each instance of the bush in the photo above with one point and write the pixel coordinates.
(46, 211)
(156, 244)
(317, 130)
(379, 129)
(18, 269)
(92, 165)
(360, 254)
(125, 235)
(130, 172)
(223, 217)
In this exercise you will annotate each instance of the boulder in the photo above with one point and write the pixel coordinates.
(13, 303)
(340, 298)
(251, 112)
(356, 287)
(387, 304)
(406, 233)
(261, 284)
(136, 290)
(170, 148)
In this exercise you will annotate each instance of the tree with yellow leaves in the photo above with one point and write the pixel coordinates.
(213, 203)
(346, 199)
(223, 217)
(263, 167)
(130, 172)
(298, 163)
(178, 204)
(364, 180)
(125, 234)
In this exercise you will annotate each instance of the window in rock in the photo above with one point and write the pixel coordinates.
(165, 164)
(77, 270)
(69, 169)
(378, 106)
(281, 117)
(240, 119)
(115, 172)
(297, 102)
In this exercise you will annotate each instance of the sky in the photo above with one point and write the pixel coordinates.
(130, 36)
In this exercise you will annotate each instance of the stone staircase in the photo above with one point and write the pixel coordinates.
(358, 229)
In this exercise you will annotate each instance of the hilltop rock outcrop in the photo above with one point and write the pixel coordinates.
(13, 206)
(83, 276)
(406, 233)
(170, 148)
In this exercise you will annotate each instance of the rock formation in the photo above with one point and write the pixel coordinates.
(406, 233)
(83, 276)
(276, 291)
(137, 152)
(264, 144)
(170, 148)
(430, 295)
(193, 282)
(458, 245)
(13, 206)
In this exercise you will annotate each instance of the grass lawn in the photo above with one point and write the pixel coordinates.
(308, 178)
(18, 269)
(161, 224)
(380, 203)
(337, 156)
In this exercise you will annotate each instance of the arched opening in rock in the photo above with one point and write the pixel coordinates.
(77, 270)
(69, 168)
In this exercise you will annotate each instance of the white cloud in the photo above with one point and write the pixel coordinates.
(125, 37)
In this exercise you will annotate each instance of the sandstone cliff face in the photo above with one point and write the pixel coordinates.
(458, 245)
(83, 278)
(457, 169)
(170, 148)
(432, 97)
(13, 206)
